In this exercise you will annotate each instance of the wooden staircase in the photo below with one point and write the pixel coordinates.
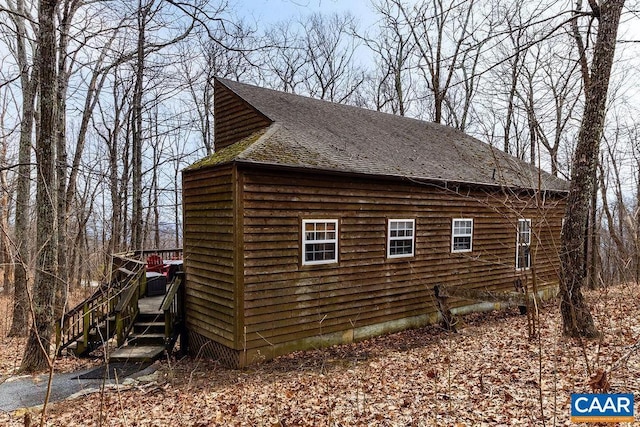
(142, 327)
(146, 342)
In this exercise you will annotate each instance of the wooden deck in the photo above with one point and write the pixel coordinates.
(150, 305)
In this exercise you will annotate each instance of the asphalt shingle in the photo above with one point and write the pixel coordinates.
(320, 135)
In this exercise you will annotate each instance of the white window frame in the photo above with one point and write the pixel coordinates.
(520, 245)
(391, 238)
(325, 241)
(454, 235)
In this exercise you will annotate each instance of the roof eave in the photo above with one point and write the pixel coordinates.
(436, 182)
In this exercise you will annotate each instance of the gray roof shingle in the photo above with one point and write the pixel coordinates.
(316, 134)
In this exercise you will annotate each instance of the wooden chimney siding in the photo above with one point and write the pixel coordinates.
(209, 248)
(287, 304)
(235, 118)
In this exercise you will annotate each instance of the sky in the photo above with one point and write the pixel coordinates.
(277, 10)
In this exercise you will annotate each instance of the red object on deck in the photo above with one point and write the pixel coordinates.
(156, 264)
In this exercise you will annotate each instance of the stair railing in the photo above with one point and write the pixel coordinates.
(173, 308)
(126, 310)
(127, 279)
(77, 322)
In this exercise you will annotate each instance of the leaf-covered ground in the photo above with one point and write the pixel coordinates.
(489, 374)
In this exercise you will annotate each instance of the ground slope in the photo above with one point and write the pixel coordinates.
(490, 374)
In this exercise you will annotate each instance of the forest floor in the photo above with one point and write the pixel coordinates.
(488, 374)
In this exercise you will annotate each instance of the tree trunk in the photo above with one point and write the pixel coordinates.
(36, 353)
(20, 319)
(592, 235)
(61, 161)
(636, 228)
(136, 214)
(5, 242)
(576, 317)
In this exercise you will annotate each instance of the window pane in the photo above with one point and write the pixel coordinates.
(525, 231)
(401, 247)
(320, 251)
(524, 257)
(461, 243)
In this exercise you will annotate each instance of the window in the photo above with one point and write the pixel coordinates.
(319, 241)
(462, 235)
(401, 238)
(523, 245)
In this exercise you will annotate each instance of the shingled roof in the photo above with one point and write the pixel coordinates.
(302, 132)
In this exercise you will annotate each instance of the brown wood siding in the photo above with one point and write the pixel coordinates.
(235, 118)
(209, 254)
(285, 301)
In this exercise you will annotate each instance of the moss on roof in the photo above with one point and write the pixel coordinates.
(316, 134)
(229, 153)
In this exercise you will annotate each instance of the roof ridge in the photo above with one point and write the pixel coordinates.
(228, 82)
(261, 141)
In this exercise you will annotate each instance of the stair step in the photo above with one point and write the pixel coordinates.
(146, 339)
(143, 353)
(150, 317)
(148, 327)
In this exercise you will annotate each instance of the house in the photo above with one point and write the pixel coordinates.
(316, 223)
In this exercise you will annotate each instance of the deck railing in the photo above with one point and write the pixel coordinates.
(165, 254)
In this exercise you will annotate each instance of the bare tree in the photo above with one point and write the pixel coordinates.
(392, 46)
(200, 60)
(111, 130)
(559, 89)
(286, 59)
(315, 56)
(6, 189)
(576, 316)
(148, 19)
(330, 55)
(23, 51)
(445, 43)
(36, 353)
